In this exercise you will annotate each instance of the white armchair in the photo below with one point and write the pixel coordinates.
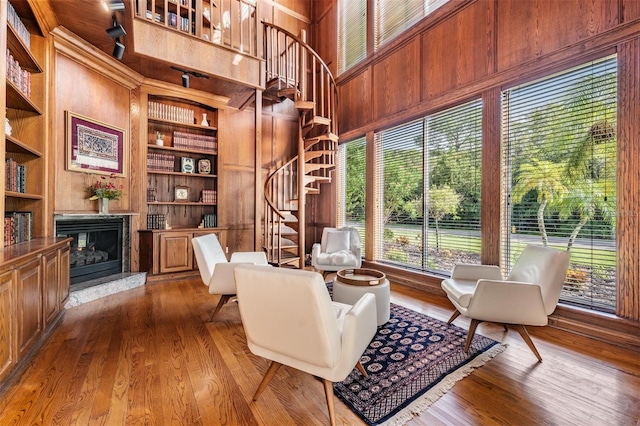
(289, 319)
(527, 297)
(338, 249)
(216, 272)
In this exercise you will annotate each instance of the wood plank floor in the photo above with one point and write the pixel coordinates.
(149, 356)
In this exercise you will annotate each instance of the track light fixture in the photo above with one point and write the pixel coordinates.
(186, 74)
(116, 30)
(113, 5)
(118, 50)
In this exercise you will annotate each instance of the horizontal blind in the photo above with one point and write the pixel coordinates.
(560, 153)
(393, 16)
(454, 141)
(352, 33)
(351, 181)
(399, 170)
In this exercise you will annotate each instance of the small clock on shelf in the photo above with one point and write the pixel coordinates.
(181, 194)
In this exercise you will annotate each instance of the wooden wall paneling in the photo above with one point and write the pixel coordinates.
(8, 325)
(103, 100)
(458, 50)
(491, 196)
(236, 168)
(356, 94)
(630, 10)
(628, 180)
(138, 162)
(29, 305)
(325, 35)
(530, 29)
(396, 80)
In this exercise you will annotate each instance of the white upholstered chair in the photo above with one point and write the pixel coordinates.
(338, 249)
(289, 319)
(527, 297)
(216, 271)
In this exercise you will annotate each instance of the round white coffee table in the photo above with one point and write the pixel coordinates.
(351, 284)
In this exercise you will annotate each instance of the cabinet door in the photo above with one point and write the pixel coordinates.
(64, 280)
(7, 324)
(29, 305)
(175, 252)
(50, 288)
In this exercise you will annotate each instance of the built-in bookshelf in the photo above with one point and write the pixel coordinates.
(182, 154)
(24, 135)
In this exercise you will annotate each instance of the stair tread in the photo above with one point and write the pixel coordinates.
(305, 105)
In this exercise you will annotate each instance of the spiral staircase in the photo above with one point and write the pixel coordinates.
(295, 72)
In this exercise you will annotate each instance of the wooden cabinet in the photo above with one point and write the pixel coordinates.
(34, 280)
(7, 324)
(24, 102)
(170, 250)
(29, 290)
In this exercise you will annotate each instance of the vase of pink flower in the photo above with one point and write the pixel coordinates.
(103, 190)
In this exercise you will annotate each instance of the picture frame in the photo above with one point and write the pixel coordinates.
(187, 165)
(94, 147)
(204, 166)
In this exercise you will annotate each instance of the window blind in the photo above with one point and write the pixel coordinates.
(560, 156)
(351, 183)
(352, 33)
(394, 17)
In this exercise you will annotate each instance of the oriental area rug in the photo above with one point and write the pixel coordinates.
(411, 362)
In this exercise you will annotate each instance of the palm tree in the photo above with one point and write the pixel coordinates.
(544, 177)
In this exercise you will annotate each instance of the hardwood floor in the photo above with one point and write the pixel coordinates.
(148, 356)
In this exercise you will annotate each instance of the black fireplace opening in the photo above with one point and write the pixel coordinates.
(96, 249)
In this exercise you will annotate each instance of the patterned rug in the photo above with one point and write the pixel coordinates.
(411, 362)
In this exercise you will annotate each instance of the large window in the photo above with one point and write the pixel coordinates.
(391, 18)
(430, 174)
(560, 188)
(351, 183)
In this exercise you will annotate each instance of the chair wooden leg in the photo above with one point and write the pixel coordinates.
(455, 315)
(328, 392)
(223, 299)
(273, 368)
(527, 339)
(472, 331)
(361, 369)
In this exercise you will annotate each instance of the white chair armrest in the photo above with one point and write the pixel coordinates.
(467, 271)
(508, 302)
(222, 280)
(255, 257)
(360, 325)
(357, 252)
(315, 251)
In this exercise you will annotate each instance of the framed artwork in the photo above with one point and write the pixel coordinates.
(94, 147)
(204, 166)
(187, 165)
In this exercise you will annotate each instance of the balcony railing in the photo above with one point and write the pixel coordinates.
(229, 23)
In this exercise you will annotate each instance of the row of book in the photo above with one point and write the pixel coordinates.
(171, 112)
(160, 162)
(209, 196)
(175, 19)
(15, 176)
(20, 77)
(21, 30)
(192, 141)
(18, 227)
(210, 220)
(156, 221)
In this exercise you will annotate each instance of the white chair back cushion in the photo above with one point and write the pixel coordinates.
(545, 267)
(325, 237)
(208, 252)
(270, 297)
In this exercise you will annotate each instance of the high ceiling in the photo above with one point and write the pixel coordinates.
(89, 20)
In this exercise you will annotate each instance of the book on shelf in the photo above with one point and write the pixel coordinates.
(209, 196)
(15, 176)
(20, 77)
(18, 26)
(156, 221)
(18, 227)
(160, 162)
(170, 112)
(195, 141)
(210, 220)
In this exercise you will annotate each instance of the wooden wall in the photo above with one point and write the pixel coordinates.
(474, 48)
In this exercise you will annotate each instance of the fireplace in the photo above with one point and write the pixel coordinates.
(96, 249)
